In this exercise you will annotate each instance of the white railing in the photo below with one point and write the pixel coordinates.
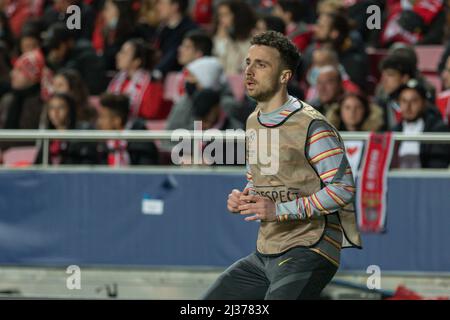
(146, 135)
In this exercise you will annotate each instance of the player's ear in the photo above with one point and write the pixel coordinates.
(286, 75)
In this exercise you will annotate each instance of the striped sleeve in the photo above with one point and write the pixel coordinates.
(249, 184)
(327, 155)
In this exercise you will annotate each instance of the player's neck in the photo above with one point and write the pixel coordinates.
(280, 98)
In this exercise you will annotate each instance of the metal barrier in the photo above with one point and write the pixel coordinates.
(146, 135)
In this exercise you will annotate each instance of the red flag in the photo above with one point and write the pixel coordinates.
(372, 184)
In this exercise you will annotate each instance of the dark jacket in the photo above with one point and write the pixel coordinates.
(20, 109)
(72, 152)
(168, 40)
(432, 155)
(91, 67)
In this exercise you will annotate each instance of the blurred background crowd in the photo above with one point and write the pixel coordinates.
(162, 64)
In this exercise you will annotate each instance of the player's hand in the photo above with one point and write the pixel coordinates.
(233, 201)
(262, 208)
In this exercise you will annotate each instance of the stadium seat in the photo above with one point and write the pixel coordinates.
(236, 82)
(171, 86)
(20, 156)
(156, 124)
(428, 58)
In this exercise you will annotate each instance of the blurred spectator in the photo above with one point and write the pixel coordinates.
(266, 23)
(5, 67)
(134, 62)
(443, 98)
(148, 19)
(69, 82)
(202, 73)
(419, 117)
(113, 115)
(234, 22)
(356, 10)
(6, 37)
(61, 115)
(30, 36)
(63, 51)
(413, 22)
(333, 31)
(356, 113)
(330, 6)
(445, 74)
(202, 12)
(196, 44)
(322, 57)
(408, 52)
(175, 23)
(115, 25)
(329, 89)
(22, 107)
(395, 71)
(17, 12)
(58, 13)
(293, 13)
(206, 108)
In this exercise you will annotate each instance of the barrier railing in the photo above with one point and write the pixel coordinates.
(145, 135)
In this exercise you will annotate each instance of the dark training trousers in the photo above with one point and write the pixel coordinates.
(298, 273)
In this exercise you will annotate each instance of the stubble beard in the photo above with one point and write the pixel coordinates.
(267, 93)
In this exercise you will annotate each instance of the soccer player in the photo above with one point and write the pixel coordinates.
(305, 208)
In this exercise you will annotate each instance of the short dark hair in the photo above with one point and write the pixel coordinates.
(182, 5)
(398, 63)
(119, 104)
(204, 101)
(340, 23)
(274, 23)
(144, 52)
(201, 40)
(57, 34)
(244, 18)
(295, 7)
(290, 57)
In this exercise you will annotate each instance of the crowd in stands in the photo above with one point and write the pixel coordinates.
(140, 65)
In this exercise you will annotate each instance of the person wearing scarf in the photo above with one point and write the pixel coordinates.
(134, 61)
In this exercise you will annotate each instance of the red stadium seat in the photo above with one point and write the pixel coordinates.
(428, 58)
(156, 124)
(236, 82)
(171, 86)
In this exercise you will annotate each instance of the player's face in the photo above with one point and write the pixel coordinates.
(262, 72)
(411, 104)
